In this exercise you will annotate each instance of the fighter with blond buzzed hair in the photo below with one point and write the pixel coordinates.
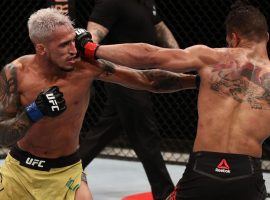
(43, 100)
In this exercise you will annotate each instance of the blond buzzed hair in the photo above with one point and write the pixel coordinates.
(44, 21)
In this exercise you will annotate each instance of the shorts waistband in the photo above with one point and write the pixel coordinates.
(224, 165)
(28, 160)
(217, 155)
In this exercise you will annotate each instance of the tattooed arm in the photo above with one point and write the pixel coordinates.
(13, 122)
(97, 31)
(154, 80)
(165, 37)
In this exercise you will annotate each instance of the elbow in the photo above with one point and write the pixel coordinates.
(7, 144)
(8, 138)
(155, 87)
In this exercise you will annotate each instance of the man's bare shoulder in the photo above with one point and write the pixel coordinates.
(207, 55)
(212, 52)
(205, 48)
(19, 68)
(21, 63)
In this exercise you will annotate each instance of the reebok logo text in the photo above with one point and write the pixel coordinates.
(223, 167)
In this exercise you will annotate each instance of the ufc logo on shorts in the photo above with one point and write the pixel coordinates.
(35, 162)
(52, 101)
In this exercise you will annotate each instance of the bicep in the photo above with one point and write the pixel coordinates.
(175, 60)
(184, 60)
(9, 97)
(14, 122)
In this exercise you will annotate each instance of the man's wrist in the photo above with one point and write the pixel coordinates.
(90, 49)
(33, 113)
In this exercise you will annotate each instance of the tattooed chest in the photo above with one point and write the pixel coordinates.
(245, 84)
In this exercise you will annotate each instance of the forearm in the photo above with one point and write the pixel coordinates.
(133, 55)
(12, 130)
(165, 37)
(185, 82)
(97, 31)
(154, 80)
(167, 40)
(167, 82)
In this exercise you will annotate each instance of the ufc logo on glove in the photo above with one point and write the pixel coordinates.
(79, 31)
(52, 101)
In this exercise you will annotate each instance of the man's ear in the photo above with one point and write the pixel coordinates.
(40, 49)
(235, 40)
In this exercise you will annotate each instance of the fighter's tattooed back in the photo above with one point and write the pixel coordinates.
(246, 83)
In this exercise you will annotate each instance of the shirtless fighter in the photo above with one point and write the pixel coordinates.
(233, 104)
(43, 100)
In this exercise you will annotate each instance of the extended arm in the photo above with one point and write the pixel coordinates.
(13, 123)
(154, 80)
(148, 56)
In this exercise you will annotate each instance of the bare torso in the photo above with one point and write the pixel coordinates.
(234, 105)
(57, 136)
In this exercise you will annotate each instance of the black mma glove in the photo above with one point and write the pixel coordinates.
(49, 103)
(84, 44)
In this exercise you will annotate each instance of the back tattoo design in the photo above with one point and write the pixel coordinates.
(245, 84)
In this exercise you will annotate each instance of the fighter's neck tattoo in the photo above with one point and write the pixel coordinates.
(245, 84)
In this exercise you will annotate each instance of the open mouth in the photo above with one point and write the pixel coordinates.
(72, 60)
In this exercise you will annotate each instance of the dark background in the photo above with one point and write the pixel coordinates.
(191, 21)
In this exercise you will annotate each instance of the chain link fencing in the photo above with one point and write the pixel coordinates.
(191, 22)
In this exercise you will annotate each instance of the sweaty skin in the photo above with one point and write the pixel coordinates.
(23, 79)
(234, 106)
(233, 103)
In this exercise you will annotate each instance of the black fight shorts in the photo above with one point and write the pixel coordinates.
(221, 176)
